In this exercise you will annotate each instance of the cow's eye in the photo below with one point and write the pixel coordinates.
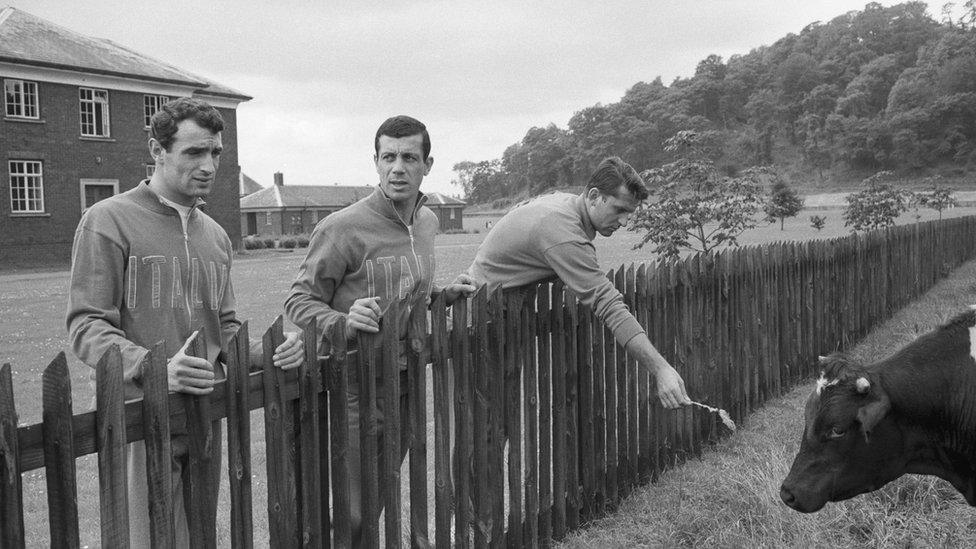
(837, 432)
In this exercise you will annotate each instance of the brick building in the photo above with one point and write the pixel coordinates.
(74, 130)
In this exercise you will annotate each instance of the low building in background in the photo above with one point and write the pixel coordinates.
(281, 210)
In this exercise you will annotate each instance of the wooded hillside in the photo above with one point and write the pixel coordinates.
(879, 89)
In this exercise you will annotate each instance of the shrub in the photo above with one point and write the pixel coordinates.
(253, 243)
(289, 243)
(818, 221)
(302, 240)
(269, 242)
(458, 231)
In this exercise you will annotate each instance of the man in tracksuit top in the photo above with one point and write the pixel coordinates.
(147, 266)
(368, 255)
(552, 236)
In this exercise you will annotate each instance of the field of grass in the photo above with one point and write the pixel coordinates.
(730, 497)
(32, 332)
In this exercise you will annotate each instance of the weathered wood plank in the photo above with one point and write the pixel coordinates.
(159, 469)
(237, 405)
(62, 485)
(203, 448)
(440, 364)
(418, 355)
(280, 447)
(309, 475)
(11, 492)
(112, 497)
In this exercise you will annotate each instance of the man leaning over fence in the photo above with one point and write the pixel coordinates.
(147, 266)
(362, 258)
(552, 236)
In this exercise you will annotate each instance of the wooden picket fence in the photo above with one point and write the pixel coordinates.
(555, 424)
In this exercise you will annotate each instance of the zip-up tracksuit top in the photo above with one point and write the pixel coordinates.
(552, 236)
(365, 250)
(137, 279)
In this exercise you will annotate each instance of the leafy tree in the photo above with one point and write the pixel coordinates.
(818, 222)
(939, 197)
(783, 202)
(876, 206)
(464, 171)
(696, 207)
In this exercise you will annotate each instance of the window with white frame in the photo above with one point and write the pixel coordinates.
(26, 186)
(267, 218)
(93, 190)
(151, 104)
(150, 170)
(94, 112)
(20, 99)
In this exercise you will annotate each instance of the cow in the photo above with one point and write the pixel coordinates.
(866, 425)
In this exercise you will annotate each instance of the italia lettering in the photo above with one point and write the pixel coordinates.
(205, 288)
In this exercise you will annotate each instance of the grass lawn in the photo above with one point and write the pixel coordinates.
(730, 497)
(32, 332)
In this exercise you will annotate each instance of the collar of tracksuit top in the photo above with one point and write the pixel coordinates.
(384, 205)
(147, 198)
(584, 214)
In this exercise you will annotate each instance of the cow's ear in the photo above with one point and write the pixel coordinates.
(875, 410)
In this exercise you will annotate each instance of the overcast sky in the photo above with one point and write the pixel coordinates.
(325, 73)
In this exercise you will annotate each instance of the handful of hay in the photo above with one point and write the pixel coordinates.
(726, 419)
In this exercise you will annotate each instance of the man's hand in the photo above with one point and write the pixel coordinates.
(463, 285)
(671, 388)
(291, 353)
(190, 374)
(364, 316)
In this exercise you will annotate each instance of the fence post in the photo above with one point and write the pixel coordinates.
(59, 455)
(463, 423)
(110, 420)
(531, 405)
(11, 494)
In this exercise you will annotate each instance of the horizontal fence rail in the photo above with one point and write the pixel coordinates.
(539, 420)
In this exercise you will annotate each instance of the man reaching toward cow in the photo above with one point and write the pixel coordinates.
(552, 236)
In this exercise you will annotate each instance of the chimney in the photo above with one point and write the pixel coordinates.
(279, 179)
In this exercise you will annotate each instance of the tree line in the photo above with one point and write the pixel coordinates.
(881, 89)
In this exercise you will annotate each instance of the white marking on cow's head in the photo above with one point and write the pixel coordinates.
(823, 382)
(972, 342)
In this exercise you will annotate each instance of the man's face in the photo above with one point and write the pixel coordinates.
(401, 166)
(188, 168)
(609, 213)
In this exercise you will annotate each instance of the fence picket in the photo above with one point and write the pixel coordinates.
(237, 401)
(309, 481)
(156, 430)
(280, 439)
(113, 500)
(559, 454)
(337, 382)
(59, 459)
(513, 415)
(464, 378)
(418, 355)
(390, 461)
(531, 406)
(443, 490)
(11, 492)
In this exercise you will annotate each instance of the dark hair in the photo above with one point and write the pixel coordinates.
(402, 126)
(163, 125)
(614, 172)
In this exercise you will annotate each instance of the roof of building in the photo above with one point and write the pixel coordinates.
(248, 185)
(435, 199)
(304, 196)
(26, 39)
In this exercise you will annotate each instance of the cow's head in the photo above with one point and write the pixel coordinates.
(850, 446)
